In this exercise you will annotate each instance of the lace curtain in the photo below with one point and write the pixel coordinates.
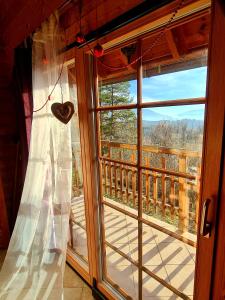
(35, 260)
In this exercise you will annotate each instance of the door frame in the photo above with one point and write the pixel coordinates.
(212, 149)
(212, 154)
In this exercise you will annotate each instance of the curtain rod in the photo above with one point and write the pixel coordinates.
(131, 15)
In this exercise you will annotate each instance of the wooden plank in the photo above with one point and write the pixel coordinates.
(213, 147)
(158, 170)
(153, 149)
(172, 44)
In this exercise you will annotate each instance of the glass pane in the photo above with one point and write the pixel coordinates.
(120, 274)
(117, 84)
(119, 134)
(78, 236)
(173, 142)
(177, 85)
(119, 231)
(116, 230)
(168, 78)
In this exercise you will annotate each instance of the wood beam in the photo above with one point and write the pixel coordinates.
(172, 44)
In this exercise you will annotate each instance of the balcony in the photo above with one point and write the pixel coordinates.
(170, 199)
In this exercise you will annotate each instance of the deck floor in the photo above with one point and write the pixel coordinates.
(167, 257)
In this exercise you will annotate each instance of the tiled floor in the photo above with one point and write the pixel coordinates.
(169, 258)
(74, 287)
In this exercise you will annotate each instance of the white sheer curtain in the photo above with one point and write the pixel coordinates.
(35, 260)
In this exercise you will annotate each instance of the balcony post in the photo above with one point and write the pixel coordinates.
(183, 199)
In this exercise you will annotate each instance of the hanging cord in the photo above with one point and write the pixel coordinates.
(59, 76)
(49, 96)
(149, 49)
(60, 84)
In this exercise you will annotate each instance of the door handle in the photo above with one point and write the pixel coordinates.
(206, 227)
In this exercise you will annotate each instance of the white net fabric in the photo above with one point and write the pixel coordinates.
(35, 260)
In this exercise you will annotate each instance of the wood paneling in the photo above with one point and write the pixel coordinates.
(4, 227)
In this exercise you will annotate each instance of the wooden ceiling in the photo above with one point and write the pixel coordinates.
(182, 44)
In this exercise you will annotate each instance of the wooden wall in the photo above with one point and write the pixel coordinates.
(17, 21)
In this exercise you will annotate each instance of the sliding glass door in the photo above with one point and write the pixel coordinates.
(150, 128)
(148, 149)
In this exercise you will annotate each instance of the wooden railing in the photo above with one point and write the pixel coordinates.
(170, 181)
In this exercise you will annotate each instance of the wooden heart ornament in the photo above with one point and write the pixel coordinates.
(63, 111)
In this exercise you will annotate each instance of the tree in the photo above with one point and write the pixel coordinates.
(117, 125)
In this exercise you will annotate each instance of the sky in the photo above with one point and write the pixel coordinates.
(178, 85)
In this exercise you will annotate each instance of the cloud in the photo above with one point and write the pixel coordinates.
(178, 85)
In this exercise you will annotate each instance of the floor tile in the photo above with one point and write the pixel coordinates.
(181, 277)
(123, 277)
(116, 235)
(162, 237)
(151, 255)
(192, 251)
(152, 287)
(147, 237)
(113, 220)
(71, 279)
(175, 254)
(72, 293)
(113, 258)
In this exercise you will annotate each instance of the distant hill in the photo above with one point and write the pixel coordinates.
(191, 123)
(193, 118)
(150, 115)
(192, 114)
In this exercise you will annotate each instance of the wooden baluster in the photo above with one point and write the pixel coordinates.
(126, 182)
(116, 180)
(121, 178)
(155, 190)
(110, 172)
(110, 178)
(163, 188)
(183, 200)
(105, 176)
(172, 198)
(113, 177)
(133, 180)
(147, 187)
